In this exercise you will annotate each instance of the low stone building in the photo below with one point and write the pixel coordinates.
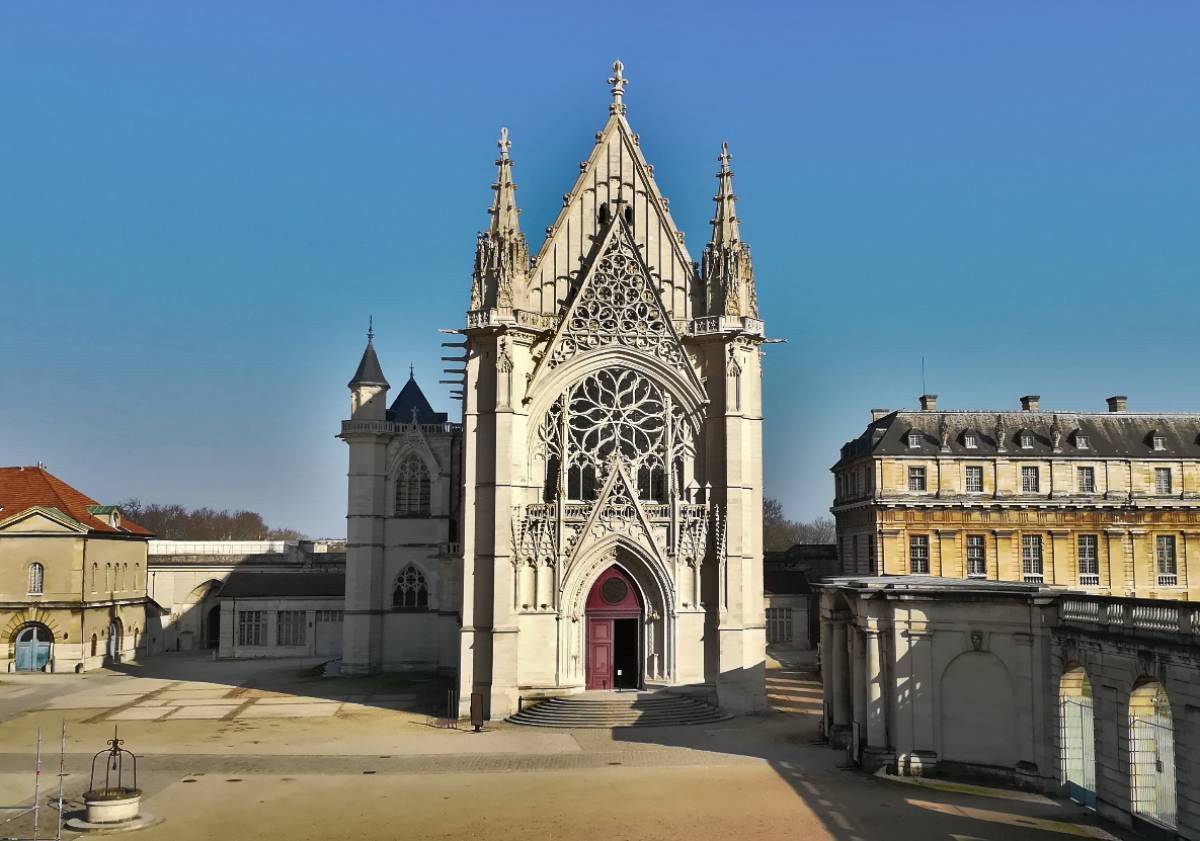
(284, 614)
(72, 576)
(786, 597)
(186, 577)
(1065, 692)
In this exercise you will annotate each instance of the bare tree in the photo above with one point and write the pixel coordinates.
(174, 522)
(781, 534)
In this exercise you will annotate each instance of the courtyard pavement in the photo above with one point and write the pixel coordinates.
(268, 749)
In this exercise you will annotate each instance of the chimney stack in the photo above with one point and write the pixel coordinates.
(1029, 403)
(1117, 403)
(879, 414)
(928, 402)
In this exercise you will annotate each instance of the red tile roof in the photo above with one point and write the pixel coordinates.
(22, 488)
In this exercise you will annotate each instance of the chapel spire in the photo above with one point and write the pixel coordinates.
(725, 221)
(501, 253)
(728, 270)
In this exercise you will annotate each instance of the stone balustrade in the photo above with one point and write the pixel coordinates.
(1176, 621)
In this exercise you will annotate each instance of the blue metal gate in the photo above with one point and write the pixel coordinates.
(32, 649)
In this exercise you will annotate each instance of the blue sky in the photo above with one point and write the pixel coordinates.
(202, 203)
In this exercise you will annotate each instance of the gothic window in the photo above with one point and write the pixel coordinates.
(615, 413)
(411, 591)
(36, 575)
(412, 487)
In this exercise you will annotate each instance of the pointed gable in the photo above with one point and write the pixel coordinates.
(617, 177)
(617, 303)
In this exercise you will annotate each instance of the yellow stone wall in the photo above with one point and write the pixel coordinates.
(877, 513)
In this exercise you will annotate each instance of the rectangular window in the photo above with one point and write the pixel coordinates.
(871, 557)
(974, 479)
(779, 624)
(1086, 480)
(916, 478)
(289, 625)
(1160, 443)
(976, 559)
(1164, 551)
(1081, 442)
(1089, 565)
(329, 616)
(1030, 480)
(1031, 557)
(252, 627)
(1162, 480)
(918, 554)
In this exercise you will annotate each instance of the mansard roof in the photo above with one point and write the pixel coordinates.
(1109, 434)
(411, 399)
(23, 488)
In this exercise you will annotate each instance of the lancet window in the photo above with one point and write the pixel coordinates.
(412, 487)
(411, 593)
(615, 413)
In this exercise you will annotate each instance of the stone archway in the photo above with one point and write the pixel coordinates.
(1152, 754)
(32, 647)
(654, 592)
(1077, 736)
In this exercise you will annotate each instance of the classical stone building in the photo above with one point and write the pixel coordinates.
(72, 576)
(1108, 501)
(1088, 696)
(610, 525)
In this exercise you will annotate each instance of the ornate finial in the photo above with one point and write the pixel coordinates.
(411, 376)
(370, 329)
(618, 83)
(724, 157)
(504, 143)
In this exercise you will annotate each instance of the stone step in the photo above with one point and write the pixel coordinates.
(657, 710)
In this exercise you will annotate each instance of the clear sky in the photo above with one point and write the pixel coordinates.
(200, 205)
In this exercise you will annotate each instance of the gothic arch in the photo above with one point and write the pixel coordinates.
(399, 452)
(655, 590)
(547, 388)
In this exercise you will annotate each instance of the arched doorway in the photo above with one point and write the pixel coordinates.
(32, 646)
(1077, 736)
(212, 627)
(614, 632)
(976, 688)
(1152, 754)
(115, 635)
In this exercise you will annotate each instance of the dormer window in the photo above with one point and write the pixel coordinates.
(1026, 440)
(1158, 442)
(914, 439)
(1081, 441)
(970, 441)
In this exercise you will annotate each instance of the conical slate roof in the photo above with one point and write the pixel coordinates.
(369, 371)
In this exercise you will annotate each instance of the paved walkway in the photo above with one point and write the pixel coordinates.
(376, 766)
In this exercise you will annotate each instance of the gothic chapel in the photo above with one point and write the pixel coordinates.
(595, 522)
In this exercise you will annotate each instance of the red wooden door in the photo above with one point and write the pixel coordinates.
(600, 652)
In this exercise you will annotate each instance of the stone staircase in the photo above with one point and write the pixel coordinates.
(618, 709)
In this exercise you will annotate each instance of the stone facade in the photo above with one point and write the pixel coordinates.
(1109, 501)
(1090, 696)
(611, 418)
(72, 577)
(186, 579)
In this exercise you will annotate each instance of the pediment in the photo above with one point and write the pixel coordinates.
(40, 520)
(615, 175)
